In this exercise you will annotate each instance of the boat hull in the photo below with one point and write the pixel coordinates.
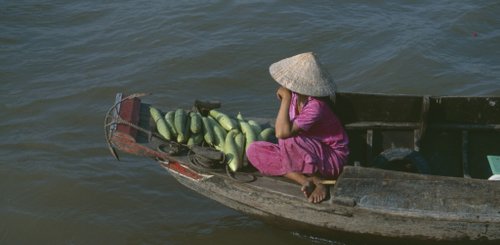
(340, 216)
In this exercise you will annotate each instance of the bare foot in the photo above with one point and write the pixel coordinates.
(319, 193)
(308, 188)
(312, 188)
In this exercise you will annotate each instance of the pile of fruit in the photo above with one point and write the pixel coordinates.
(229, 135)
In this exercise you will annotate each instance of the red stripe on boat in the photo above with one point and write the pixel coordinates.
(183, 170)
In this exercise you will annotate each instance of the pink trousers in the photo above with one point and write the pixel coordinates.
(296, 154)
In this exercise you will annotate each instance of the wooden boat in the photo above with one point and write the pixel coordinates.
(448, 138)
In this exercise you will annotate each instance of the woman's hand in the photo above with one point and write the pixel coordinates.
(283, 127)
(283, 93)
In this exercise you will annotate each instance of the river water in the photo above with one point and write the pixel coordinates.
(61, 63)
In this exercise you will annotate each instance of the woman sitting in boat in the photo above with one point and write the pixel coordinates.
(312, 144)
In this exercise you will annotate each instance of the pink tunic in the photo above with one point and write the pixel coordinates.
(320, 146)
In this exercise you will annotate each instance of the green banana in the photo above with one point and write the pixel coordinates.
(266, 134)
(170, 118)
(208, 131)
(255, 126)
(231, 150)
(161, 125)
(219, 133)
(224, 120)
(195, 139)
(249, 133)
(195, 125)
(239, 139)
(180, 125)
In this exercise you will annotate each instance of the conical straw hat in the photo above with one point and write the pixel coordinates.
(303, 74)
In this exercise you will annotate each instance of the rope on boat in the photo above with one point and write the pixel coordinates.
(233, 175)
(119, 120)
(206, 157)
(208, 161)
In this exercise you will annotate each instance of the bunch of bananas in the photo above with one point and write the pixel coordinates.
(229, 135)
